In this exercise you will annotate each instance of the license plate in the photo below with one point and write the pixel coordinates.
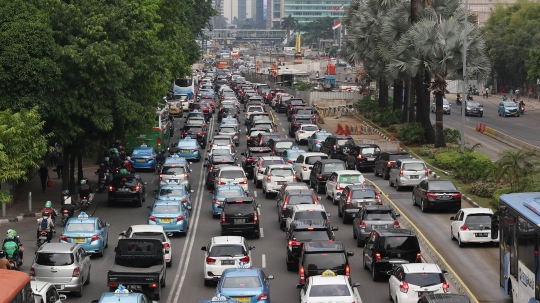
(480, 234)
(281, 182)
(239, 220)
(173, 181)
(414, 177)
(134, 287)
(353, 215)
(379, 226)
(123, 189)
(227, 262)
(79, 240)
(140, 160)
(444, 197)
(370, 159)
(58, 286)
(243, 299)
(185, 151)
(42, 238)
(166, 220)
(420, 293)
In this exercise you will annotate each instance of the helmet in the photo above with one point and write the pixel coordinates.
(48, 204)
(11, 233)
(106, 159)
(46, 213)
(65, 192)
(128, 158)
(83, 181)
(120, 147)
(115, 150)
(2, 254)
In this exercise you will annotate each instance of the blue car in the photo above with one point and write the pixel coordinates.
(122, 295)
(245, 284)
(222, 192)
(173, 215)
(189, 148)
(315, 141)
(89, 232)
(220, 298)
(143, 158)
(229, 120)
(174, 192)
(290, 155)
(508, 108)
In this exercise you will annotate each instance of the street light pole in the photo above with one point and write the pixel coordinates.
(464, 98)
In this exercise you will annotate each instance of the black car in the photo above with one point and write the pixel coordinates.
(297, 121)
(318, 256)
(263, 138)
(301, 110)
(251, 118)
(362, 156)
(214, 163)
(291, 198)
(301, 232)
(252, 135)
(385, 162)
(196, 131)
(337, 146)
(473, 108)
(439, 194)
(320, 172)
(388, 247)
(250, 157)
(240, 215)
(128, 188)
(278, 145)
(355, 197)
(294, 102)
(202, 107)
(372, 217)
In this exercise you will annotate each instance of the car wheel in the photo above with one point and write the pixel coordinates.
(374, 275)
(319, 191)
(258, 184)
(398, 188)
(300, 178)
(80, 292)
(460, 243)
(423, 205)
(390, 183)
(138, 203)
(267, 195)
(208, 282)
(144, 197)
(169, 264)
(354, 236)
(334, 201)
(390, 293)
(339, 212)
(208, 186)
(364, 262)
(414, 199)
(375, 172)
(359, 242)
(386, 175)
(452, 235)
(481, 115)
(88, 278)
(256, 234)
(290, 266)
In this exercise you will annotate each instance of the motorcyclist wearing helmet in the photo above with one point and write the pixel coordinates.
(160, 158)
(4, 263)
(85, 191)
(105, 170)
(48, 208)
(174, 149)
(116, 161)
(123, 155)
(66, 203)
(13, 247)
(48, 226)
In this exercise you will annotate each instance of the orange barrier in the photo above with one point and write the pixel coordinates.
(347, 130)
(339, 129)
(358, 131)
(480, 127)
(392, 139)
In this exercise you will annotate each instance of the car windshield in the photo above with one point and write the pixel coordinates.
(310, 235)
(311, 160)
(148, 235)
(363, 194)
(399, 243)
(142, 152)
(310, 215)
(232, 174)
(329, 290)
(378, 215)
(241, 282)
(332, 167)
(172, 191)
(442, 185)
(281, 172)
(54, 259)
(167, 208)
(229, 192)
(343, 141)
(304, 112)
(477, 220)
(351, 178)
(424, 279)
(370, 150)
(473, 104)
(310, 128)
(169, 170)
(193, 128)
(301, 199)
(227, 251)
(221, 151)
(413, 166)
(80, 227)
(318, 261)
(222, 141)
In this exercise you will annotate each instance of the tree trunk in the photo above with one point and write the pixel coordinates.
(422, 111)
(414, 11)
(398, 94)
(405, 114)
(72, 174)
(65, 170)
(383, 94)
(439, 137)
(80, 172)
(412, 101)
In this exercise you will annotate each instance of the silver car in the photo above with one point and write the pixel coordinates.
(407, 172)
(175, 174)
(446, 107)
(66, 265)
(370, 218)
(353, 198)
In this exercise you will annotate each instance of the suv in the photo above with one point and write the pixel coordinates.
(443, 298)
(386, 160)
(307, 212)
(370, 218)
(71, 265)
(252, 136)
(175, 171)
(240, 215)
(317, 257)
(354, 197)
(320, 172)
(290, 198)
(407, 172)
(127, 188)
(262, 138)
(278, 145)
(304, 164)
(337, 147)
(213, 165)
(300, 232)
(274, 176)
(260, 166)
(386, 248)
(362, 156)
(249, 158)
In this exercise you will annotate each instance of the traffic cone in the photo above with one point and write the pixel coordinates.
(339, 129)
(358, 131)
(347, 130)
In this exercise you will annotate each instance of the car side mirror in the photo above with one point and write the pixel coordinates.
(335, 228)
(251, 247)
(270, 277)
(149, 207)
(338, 194)
(242, 154)
(203, 248)
(123, 233)
(397, 215)
(319, 198)
(188, 207)
(481, 105)
(310, 168)
(212, 192)
(258, 206)
(445, 272)
(350, 253)
(300, 285)
(191, 191)
(356, 285)
(452, 218)
(328, 214)
(205, 165)
(390, 272)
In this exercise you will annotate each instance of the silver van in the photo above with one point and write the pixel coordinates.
(175, 171)
(407, 172)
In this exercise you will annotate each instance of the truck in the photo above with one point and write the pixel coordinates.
(139, 265)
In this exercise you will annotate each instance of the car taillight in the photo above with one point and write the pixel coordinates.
(220, 182)
(301, 131)
(210, 260)
(378, 257)
(464, 227)
(217, 202)
(32, 272)
(431, 195)
(396, 224)
(378, 196)
(111, 188)
(362, 224)
(166, 245)
(158, 142)
(152, 218)
(63, 238)
(76, 272)
(256, 216)
(404, 287)
(401, 172)
(335, 146)
(244, 181)
(456, 196)
(418, 257)
(290, 161)
(426, 171)
(359, 156)
(294, 243)
(390, 163)
(302, 275)
(445, 287)
(201, 133)
(65, 211)
(268, 178)
(223, 217)
(304, 168)
(244, 259)
(180, 218)
(195, 149)
(136, 187)
(338, 186)
(262, 296)
(249, 138)
(95, 237)
(348, 271)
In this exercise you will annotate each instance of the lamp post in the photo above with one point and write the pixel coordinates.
(464, 100)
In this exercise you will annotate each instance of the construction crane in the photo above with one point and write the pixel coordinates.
(299, 56)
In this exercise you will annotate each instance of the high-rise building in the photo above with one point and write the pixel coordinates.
(305, 11)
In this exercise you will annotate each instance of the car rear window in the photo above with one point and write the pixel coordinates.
(281, 172)
(424, 279)
(221, 152)
(370, 150)
(364, 194)
(54, 259)
(304, 112)
(310, 128)
(303, 121)
(271, 162)
(310, 235)
(310, 215)
(241, 282)
(172, 191)
(301, 199)
(265, 125)
(378, 215)
(413, 166)
(284, 144)
(343, 141)
(167, 208)
(475, 220)
(227, 130)
(232, 174)
(338, 290)
(255, 109)
(80, 227)
(296, 102)
(255, 133)
(229, 192)
(399, 156)
(169, 170)
(234, 208)
(227, 251)
(442, 185)
(193, 128)
(352, 178)
(142, 152)
(148, 235)
(222, 141)
(399, 243)
(332, 167)
(311, 160)
(131, 181)
(330, 260)
(261, 153)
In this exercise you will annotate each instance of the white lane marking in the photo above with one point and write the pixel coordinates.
(259, 211)
(154, 178)
(255, 193)
(261, 231)
(279, 122)
(283, 129)
(263, 260)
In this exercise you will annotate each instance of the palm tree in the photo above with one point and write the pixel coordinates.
(515, 165)
(288, 24)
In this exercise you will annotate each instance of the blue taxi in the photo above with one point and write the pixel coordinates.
(173, 215)
(189, 148)
(245, 285)
(290, 155)
(315, 141)
(89, 232)
(143, 158)
(221, 299)
(174, 192)
(230, 120)
(122, 295)
(221, 193)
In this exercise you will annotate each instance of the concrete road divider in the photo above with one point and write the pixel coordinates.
(273, 117)
(517, 143)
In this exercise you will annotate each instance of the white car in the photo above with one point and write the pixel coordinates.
(338, 180)
(329, 287)
(304, 163)
(446, 107)
(304, 132)
(274, 176)
(254, 109)
(222, 150)
(260, 166)
(151, 232)
(408, 281)
(307, 212)
(472, 225)
(233, 175)
(223, 140)
(45, 292)
(225, 252)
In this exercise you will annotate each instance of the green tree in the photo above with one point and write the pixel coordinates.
(22, 145)
(515, 166)
(321, 28)
(289, 24)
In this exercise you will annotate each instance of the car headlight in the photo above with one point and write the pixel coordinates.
(481, 109)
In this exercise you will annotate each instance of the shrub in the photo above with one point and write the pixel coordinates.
(473, 166)
(388, 117)
(447, 160)
(451, 135)
(366, 105)
(498, 193)
(484, 189)
(303, 86)
(430, 151)
(396, 127)
(376, 117)
(412, 133)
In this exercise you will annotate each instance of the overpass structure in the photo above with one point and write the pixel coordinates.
(232, 36)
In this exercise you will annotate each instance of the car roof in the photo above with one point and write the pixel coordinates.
(228, 240)
(396, 152)
(329, 280)
(479, 210)
(271, 158)
(147, 228)
(282, 139)
(310, 154)
(110, 297)
(361, 186)
(389, 232)
(231, 168)
(172, 186)
(308, 207)
(82, 219)
(57, 247)
(232, 199)
(324, 161)
(341, 136)
(377, 207)
(279, 166)
(421, 268)
(242, 272)
(324, 246)
(347, 171)
(216, 159)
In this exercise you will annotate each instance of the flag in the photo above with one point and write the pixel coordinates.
(341, 7)
(336, 25)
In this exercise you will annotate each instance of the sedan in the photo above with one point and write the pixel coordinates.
(508, 108)
(144, 158)
(329, 287)
(315, 141)
(245, 284)
(89, 232)
(173, 215)
(174, 192)
(221, 193)
(446, 107)
(150, 232)
(189, 148)
(441, 194)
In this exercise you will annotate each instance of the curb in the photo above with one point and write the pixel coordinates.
(19, 218)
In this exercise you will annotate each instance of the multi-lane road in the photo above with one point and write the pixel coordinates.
(476, 265)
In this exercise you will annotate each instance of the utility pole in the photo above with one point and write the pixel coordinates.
(464, 99)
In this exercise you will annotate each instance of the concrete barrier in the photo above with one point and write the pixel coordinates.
(514, 142)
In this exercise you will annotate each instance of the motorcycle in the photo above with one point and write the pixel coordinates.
(458, 101)
(522, 109)
(42, 238)
(14, 265)
(84, 203)
(65, 216)
(469, 97)
(103, 182)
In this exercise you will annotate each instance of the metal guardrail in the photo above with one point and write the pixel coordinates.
(427, 248)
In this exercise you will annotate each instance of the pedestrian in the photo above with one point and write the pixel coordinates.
(59, 165)
(517, 93)
(43, 176)
(511, 93)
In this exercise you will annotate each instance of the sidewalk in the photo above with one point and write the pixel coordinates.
(18, 210)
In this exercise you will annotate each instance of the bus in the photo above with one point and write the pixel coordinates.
(223, 63)
(185, 86)
(158, 137)
(224, 54)
(15, 287)
(518, 220)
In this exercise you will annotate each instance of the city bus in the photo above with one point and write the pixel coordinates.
(15, 287)
(158, 137)
(518, 221)
(184, 86)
